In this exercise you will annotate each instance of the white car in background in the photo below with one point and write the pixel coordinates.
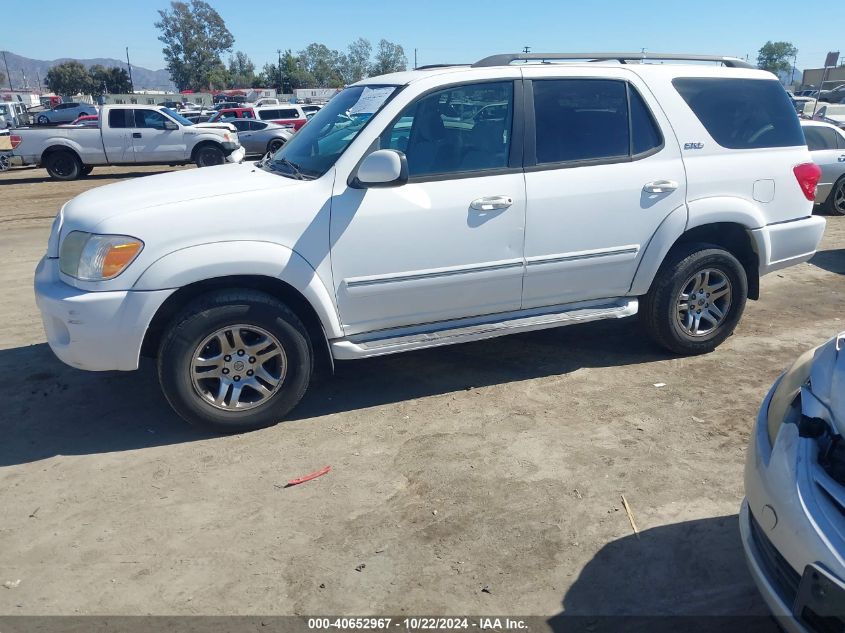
(793, 517)
(827, 147)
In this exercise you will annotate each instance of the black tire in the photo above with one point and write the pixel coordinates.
(209, 155)
(660, 311)
(63, 164)
(87, 169)
(274, 145)
(43, 120)
(835, 203)
(219, 310)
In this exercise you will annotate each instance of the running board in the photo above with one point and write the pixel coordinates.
(465, 330)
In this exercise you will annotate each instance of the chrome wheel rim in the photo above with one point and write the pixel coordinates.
(238, 367)
(704, 302)
(5, 162)
(839, 198)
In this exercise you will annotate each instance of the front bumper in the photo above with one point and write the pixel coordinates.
(787, 520)
(96, 331)
(236, 155)
(787, 243)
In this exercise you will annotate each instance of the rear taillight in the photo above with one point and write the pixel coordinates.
(807, 175)
(16, 140)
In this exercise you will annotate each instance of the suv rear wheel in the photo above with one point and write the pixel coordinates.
(234, 361)
(696, 300)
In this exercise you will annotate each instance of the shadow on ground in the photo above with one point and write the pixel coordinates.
(51, 409)
(832, 260)
(688, 576)
(44, 177)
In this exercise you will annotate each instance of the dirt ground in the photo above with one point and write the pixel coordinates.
(473, 479)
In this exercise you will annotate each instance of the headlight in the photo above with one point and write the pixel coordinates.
(787, 390)
(92, 257)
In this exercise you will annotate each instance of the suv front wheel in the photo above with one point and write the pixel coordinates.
(696, 300)
(234, 361)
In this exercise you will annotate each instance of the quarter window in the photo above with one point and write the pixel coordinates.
(820, 138)
(742, 113)
(462, 129)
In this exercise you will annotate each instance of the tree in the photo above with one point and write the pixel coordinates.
(69, 78)
(358, 60)
(241, 70)
(194, 37)
(776, 57)
(103, 80)
(325, 66)
(390, 58)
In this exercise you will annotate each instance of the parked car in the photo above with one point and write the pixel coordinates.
(793, 517)
(64, 113)
(289, 114)
(310, 108)
(126, 135)
(87, 120)
(260, 137)
(833, 113)
(383, 226)
(266, 101)
(12, 114)
(827, 147)
(834, 95)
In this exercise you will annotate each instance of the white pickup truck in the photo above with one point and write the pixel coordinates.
(128, 135)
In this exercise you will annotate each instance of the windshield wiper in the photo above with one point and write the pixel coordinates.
(296, 169)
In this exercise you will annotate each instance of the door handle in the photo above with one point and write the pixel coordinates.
(841, 159)
(136, 135)
(660, 186)
(491, 203)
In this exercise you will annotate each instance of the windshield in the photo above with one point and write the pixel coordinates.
(177, 117)
(315, 148)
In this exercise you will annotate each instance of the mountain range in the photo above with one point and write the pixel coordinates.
(142, 78)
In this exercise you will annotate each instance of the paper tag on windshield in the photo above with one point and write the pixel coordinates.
(371, 100)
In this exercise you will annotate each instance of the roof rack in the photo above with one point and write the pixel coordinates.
(430, 66)
(622, 58)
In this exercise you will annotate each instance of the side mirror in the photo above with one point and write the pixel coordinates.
(170, 125)
(382, 168)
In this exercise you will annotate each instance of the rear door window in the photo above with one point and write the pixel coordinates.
(742, 113)
(820, 138)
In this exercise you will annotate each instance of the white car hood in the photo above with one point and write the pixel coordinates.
(89, 209)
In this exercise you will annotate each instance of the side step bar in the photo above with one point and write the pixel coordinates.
(465, 330)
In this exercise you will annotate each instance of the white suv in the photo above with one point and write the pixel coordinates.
(440, 206)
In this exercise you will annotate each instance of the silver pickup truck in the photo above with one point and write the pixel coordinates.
(128, 135)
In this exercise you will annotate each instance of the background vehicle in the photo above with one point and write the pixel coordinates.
(827, 147)
(396, 220)
(227, 114)
(8, 142)
(833, 113)
(64, 113)
(834, 95)
(792, 519)
(260, 137)
(266, 101)
(289, 114)
(126, 135)
(13, 114)
(87, 120)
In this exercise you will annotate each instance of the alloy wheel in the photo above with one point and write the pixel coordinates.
(704, 302)
(238, 367)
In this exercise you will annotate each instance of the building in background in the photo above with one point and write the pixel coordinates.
(813, 77)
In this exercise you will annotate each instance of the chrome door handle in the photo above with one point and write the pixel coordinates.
(660, 186)
(491, 203)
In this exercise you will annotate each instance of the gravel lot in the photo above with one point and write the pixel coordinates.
(474, 479)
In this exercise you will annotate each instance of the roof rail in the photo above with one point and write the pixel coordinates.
(430, 66)
(622, 58)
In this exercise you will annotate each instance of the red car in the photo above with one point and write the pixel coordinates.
(87, 120)
(284, 114)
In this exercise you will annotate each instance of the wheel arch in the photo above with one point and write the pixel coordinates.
(58, 146)
(729, 228)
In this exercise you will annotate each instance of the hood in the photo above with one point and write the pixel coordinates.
(93, 207)
(827, 379)
(219, 125)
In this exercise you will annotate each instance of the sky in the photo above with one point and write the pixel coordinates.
(442, 31)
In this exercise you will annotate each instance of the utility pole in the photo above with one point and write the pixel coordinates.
(131, 84)
(8, 74)
(279, 51)
(38, 77)
(526, 49)
(794, 61)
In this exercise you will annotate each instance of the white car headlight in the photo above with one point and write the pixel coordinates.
(787, 390)
(92, 257)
